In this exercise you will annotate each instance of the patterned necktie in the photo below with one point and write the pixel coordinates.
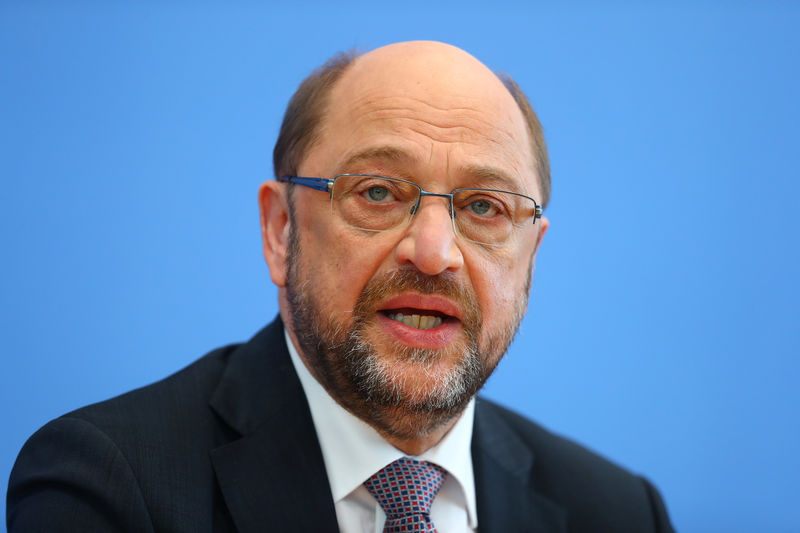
(405, 489)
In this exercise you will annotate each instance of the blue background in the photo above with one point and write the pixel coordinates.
(662, 330)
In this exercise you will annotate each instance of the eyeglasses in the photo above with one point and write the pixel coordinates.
(378, 203)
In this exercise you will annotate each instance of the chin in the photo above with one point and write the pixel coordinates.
(409, 388)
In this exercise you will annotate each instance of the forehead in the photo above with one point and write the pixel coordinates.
(437, 111)
(392, 157)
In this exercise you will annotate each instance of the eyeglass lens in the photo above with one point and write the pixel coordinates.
(377, 204)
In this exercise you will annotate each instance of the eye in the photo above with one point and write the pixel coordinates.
(378, 193)
(481, 207)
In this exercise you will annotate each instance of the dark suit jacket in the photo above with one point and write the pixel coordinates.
(228, 444)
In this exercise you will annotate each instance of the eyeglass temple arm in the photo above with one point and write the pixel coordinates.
(319, 184)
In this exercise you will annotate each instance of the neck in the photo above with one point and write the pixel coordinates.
(421, 443)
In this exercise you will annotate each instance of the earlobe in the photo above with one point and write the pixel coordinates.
(545, 224)
(274, 228)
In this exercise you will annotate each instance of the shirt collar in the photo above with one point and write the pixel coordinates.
(353, 450)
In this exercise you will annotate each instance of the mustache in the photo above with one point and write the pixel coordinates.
(410, 279)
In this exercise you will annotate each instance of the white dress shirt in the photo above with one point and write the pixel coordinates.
(353, 451)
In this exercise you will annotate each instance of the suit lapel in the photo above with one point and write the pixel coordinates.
(272, 477)
(503, 466)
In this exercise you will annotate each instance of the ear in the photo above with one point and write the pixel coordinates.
(275, 222)
(545, 224)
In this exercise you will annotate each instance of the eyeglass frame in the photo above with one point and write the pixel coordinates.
(326, 185)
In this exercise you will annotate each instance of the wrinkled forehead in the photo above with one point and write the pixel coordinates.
(428, 89)
(439, 75)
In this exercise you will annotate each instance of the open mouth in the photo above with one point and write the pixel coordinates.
(428, 320)
(417, 318)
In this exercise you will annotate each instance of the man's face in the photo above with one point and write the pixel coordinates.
(433, 115)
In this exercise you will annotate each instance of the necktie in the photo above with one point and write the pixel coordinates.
(405, 489)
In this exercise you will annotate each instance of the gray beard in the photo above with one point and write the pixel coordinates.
(352, 371)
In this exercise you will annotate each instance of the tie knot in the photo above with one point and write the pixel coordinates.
(405, 489)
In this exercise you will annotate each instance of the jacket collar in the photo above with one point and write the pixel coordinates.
(273, 476)
(504, 483)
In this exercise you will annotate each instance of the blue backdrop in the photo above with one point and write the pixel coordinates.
(662, 330)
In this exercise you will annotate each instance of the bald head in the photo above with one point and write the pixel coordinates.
(441, 78)
(434, 69)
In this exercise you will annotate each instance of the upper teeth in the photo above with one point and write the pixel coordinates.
(418, 321)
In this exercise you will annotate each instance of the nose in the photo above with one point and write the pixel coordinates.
(429, 242)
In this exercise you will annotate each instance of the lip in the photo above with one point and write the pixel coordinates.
(433, 338)
(423, 302)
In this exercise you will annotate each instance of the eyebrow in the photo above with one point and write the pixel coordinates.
(494, 178)
(484, 176)
(384, 153)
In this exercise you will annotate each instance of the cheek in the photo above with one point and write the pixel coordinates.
(499, 285)
(503, 295)
(340, 263)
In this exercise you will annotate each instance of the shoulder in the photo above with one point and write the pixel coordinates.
(142, 461)
(550, 450)
(595, 493)
(102, 466)
(163, 408)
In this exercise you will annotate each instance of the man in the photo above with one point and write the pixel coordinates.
(402, 234)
